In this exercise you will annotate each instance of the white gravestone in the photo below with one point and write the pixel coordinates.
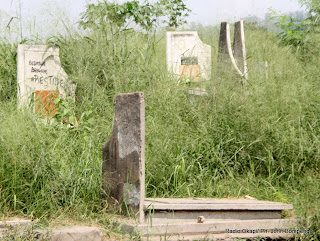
(188, 56)
(40, 72)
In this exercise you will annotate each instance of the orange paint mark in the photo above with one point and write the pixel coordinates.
(190, 72)
(44, 101)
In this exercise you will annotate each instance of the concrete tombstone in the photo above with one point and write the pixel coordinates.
(41, 78)
(239, 48)
(123, 168)
(223, 42)
(235, 54)
(187, 56)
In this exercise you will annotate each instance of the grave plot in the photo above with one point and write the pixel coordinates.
(188, 59)
(235, 54)
(41, 79)
(123, 171)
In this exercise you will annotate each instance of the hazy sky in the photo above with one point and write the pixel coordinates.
(44, 14)
(213, 11)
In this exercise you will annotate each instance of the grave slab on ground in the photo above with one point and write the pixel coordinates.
(176, 218)
(198, 218)
(41, 79)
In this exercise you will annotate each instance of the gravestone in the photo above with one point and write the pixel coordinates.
(174, 218)
(41, 79)
(235, 54)
(124, 154)
(239, 48)
(187, 56)
(223, 43)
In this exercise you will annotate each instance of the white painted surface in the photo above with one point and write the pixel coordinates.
(187, 44)
(39, 68)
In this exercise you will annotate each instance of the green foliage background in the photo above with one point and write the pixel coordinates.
(262, 140)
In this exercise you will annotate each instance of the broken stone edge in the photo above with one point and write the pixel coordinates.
(123, 167)
(173, 65)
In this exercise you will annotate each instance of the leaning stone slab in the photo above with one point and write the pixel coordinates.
(41, 79)
(123, 167)
(187, 56)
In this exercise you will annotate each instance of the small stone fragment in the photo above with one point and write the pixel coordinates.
(41, 78)
(249, 197)
(201, 219)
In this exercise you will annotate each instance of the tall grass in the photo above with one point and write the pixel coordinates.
(262, 140)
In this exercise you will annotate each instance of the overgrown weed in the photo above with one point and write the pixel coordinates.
(262, 140)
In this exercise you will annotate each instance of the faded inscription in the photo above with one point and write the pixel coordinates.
(39, 69)
(189, 60)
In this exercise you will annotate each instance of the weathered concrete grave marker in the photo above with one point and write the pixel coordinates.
(41, 78)
(235, 54)
(175, 218)
(187, 56)
(123, 155)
